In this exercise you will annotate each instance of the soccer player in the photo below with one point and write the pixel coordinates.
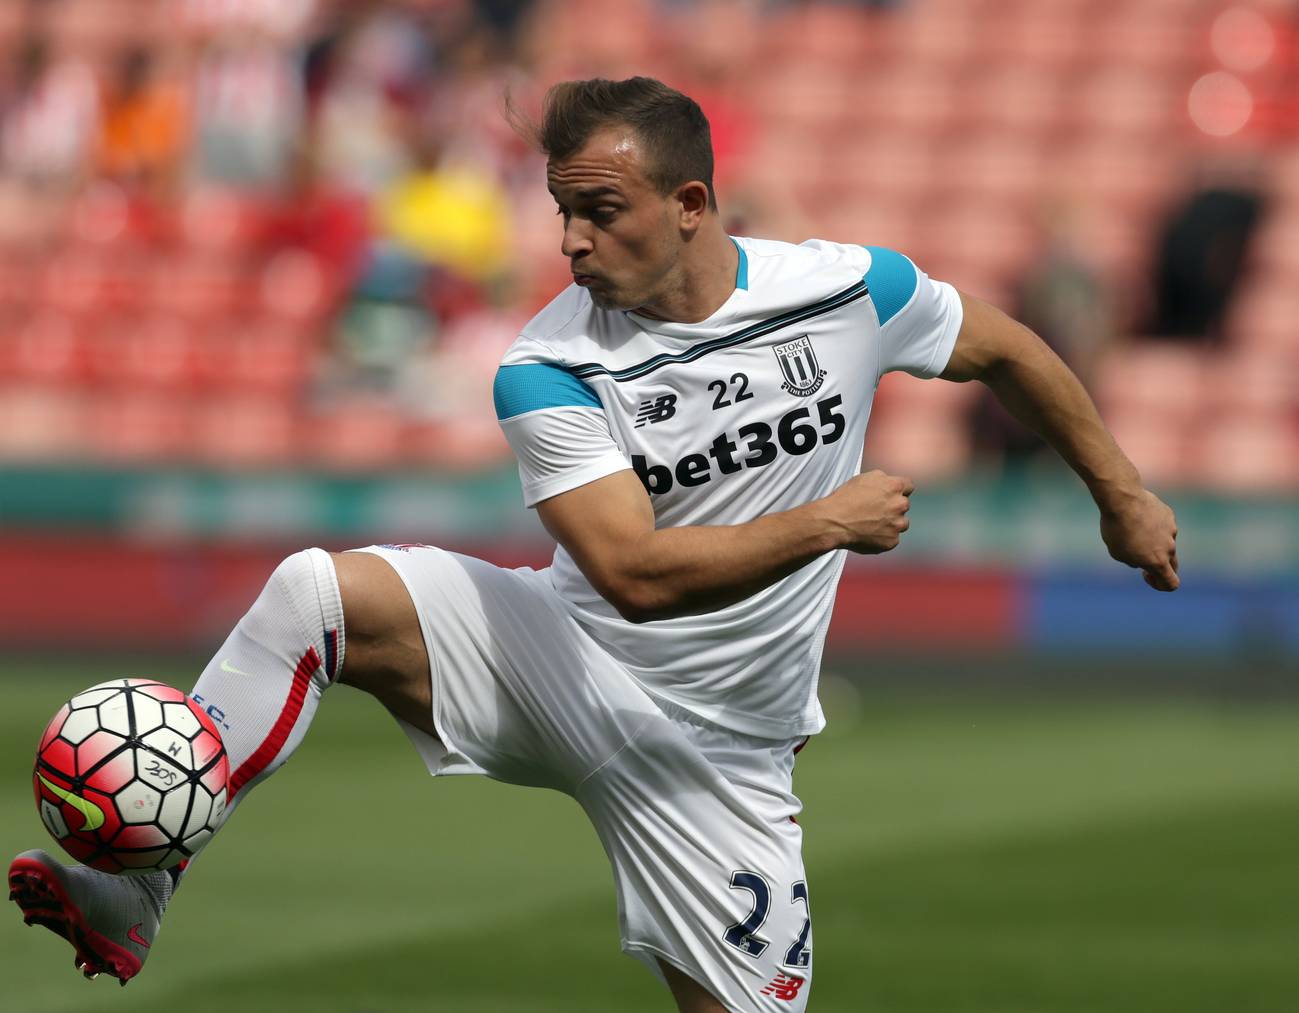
(688, 418)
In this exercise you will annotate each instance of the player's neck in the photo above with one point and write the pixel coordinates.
(702, 282)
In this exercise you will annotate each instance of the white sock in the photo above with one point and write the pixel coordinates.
(264, 684)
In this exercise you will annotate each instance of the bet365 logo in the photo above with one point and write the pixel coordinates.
(756, 445)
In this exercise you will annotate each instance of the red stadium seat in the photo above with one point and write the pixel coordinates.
(874, 220)
(805, 98)
(1034, 35)
(926, 43)
(1020, 100)
(996, 166)
(245, 431)
(296, 285)
(135, 427)
(1248, 455)
(1274, 251)
(46, 347)
(1260, 385)
(868, 170)
(1157, 35)
(362, 434)
(819, 36)
(1117, 171)
(920, 445)
(255, 355)
(989, 238)
(1165, 380)
(471, 443)
(156, 351)
(584, 27)
(913, 99)
(73, 280)
(1283, 176)
(39, 424)
(1160, 446)
(222, 221)
(1122, 100)
(1263, 315)
(200, 287)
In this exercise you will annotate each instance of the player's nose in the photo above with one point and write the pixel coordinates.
(577, 240)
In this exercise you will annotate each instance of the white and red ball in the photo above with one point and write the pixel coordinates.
(131, 776)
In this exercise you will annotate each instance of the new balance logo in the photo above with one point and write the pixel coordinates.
(660, 409)
(784, 986)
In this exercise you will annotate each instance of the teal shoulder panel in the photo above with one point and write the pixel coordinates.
(535, 385)
(891, 280)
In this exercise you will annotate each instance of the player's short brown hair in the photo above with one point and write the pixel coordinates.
(671, 126)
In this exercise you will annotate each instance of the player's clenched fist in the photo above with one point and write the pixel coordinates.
(872, 510)
(1142, 532)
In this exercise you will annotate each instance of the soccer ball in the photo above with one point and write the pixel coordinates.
(131, 776)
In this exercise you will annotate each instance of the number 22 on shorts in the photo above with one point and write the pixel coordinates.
(743, 935)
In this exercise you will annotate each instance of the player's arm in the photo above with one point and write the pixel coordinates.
(1041, 392)
(607, 526)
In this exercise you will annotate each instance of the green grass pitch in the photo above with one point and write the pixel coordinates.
(965, 853)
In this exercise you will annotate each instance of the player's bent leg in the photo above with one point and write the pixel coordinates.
(262, 689)
(690, 996)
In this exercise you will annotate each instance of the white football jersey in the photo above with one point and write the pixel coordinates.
(760, 408)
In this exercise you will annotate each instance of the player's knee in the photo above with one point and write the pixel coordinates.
(303, 593)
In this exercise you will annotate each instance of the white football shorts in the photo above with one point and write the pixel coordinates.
(697, 821)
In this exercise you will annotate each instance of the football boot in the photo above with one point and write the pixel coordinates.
(111, 921)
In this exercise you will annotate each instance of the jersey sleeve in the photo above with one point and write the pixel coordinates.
(919, 317)
(557, 429)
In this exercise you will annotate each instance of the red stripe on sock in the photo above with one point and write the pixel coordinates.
(279, 732)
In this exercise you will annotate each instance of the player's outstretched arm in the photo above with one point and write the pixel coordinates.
(1039, 389)
(607, 526)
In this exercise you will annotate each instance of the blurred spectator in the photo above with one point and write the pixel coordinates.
(452, 215)
(1201, 256)
(144, 127)
(48, 112)
(247, 110)
(1062, 296)
(368, 77)
(1064, 300)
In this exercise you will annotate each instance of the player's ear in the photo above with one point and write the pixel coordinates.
(692, 199)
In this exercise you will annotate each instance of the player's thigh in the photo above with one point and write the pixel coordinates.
(517, 690)
(385, 653)
(707, 878)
